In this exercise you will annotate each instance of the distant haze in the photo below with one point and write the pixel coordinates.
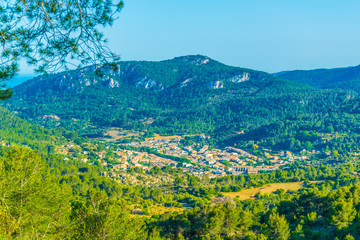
(19, 79)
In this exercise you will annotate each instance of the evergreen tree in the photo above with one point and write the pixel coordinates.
(33, 205)
(277, 227)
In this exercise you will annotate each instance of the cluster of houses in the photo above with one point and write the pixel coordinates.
(204, 161)
(201, 160)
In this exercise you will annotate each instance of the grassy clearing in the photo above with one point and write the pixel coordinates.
(114, 134)
(118, 133)
(270, 188)
(158, 210)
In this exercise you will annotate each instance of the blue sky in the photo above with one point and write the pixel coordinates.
(268, 35)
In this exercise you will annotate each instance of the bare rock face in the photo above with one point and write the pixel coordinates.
(145, 82)
(186, 82)
(240, 78)
(78, 80)
(111, 83)
(148, 83)
(215, 84)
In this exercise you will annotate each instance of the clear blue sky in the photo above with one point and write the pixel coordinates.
(268, 35)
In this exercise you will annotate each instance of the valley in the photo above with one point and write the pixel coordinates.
(121, 153)
(205, 143)
(179, 120)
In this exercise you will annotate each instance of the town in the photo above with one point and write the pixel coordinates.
(199, 160)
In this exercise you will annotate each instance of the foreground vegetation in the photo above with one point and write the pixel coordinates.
(43, 196)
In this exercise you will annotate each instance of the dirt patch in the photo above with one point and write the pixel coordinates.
(157, 136)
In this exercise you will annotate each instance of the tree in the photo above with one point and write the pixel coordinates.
(308, 145)
(32, 203)
(278, 227)
(178, 181)
(98, 217)
(343, 213)
(349, 237)
(53, 34)
(298, 233)
(329, 129)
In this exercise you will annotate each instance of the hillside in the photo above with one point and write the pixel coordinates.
(184, 95)
(342, 78)
(14, 130)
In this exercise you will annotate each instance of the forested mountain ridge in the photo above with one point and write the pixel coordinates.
(343, 78)
(179, 72)
(184, 95)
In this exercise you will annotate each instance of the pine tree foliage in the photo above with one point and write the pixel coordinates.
(53, 34)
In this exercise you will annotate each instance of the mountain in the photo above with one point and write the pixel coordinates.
(342, 78)
(156, 76)
(184, 95)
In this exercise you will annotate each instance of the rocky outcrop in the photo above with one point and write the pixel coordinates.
(148, 83)
(240, 78)
(186, 82)
(215, 84)
(111, 83)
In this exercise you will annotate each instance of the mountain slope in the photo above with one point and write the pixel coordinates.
(178, 72)
(14, 130)
(342, 78)
(185, 95)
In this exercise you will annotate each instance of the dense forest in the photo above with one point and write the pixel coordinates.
(337, 78)
(193, 94)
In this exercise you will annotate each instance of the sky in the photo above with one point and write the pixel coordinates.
(267, 35)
